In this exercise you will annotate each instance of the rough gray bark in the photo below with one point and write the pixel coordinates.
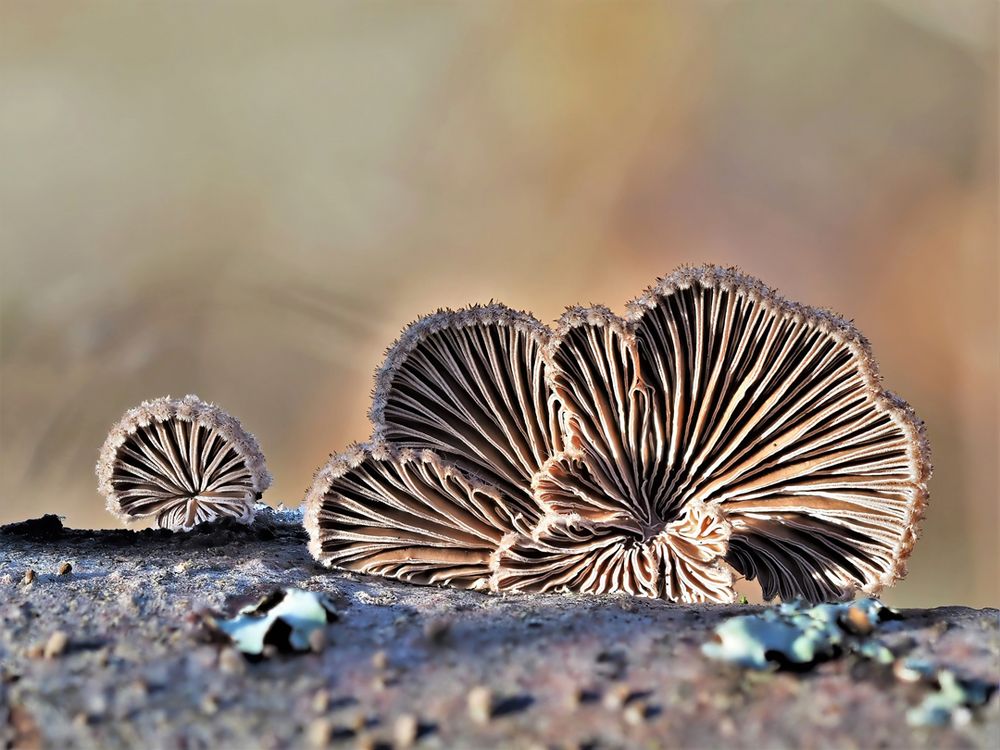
(563, 671)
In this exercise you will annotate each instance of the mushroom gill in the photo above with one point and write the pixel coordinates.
(716, 427)
(182, 461)
(776, 413)
(470, 385)
(406, 514)
(680, 561)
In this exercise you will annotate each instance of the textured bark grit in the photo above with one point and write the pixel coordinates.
(561, 670)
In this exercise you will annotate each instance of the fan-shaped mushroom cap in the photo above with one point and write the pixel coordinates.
(470, 385)
(608, 415)
(786, 425)
(183, 461)
(715, 390)
(406, 514)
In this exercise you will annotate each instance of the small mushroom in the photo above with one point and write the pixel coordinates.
(181, 461)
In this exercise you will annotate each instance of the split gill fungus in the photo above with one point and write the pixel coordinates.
(182, 462)
(714, 431)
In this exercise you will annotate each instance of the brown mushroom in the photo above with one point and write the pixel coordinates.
(714, 390)
(407, 515)
(470, 385)
(182, 461)
(715, 427)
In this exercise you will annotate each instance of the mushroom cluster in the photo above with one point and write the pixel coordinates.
(715, 430)
(182, 462)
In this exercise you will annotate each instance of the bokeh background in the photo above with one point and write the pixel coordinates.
(248, 202)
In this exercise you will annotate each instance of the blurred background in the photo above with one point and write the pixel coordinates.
(248, 202)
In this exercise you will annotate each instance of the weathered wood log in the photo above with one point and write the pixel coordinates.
(132, 668)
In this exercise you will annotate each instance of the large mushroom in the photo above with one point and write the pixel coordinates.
(182, 462)
(715, 428)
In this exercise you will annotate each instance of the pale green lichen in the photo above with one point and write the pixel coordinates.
(794, 634)
(953, 702)
(284, 619)
(874, 650)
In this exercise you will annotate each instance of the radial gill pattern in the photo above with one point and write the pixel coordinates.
(181, 461)
(680, 561)
(775, 413)
(716, 431)
(408, 515)
(470, 385)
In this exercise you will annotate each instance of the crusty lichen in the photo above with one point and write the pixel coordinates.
(285, 619)
(794, 634)
(952, 702)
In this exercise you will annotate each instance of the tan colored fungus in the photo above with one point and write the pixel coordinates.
(407, 515)
(182, 461)
(714, 429)
(470, 385)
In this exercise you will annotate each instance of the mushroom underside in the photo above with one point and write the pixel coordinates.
(181, 462)
(713, 399)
